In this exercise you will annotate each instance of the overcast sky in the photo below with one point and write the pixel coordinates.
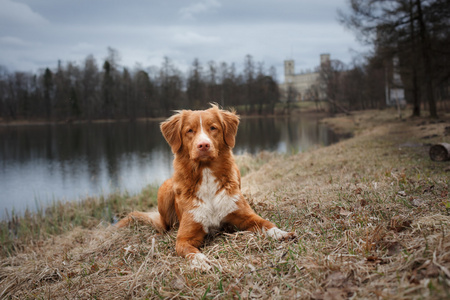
(34, 34)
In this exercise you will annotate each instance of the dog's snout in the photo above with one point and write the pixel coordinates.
(203, 146)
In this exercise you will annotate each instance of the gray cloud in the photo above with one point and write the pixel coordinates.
(192, 10)
(36, 33)
(15, 14)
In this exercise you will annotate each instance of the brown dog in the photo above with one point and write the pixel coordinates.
(204, 192)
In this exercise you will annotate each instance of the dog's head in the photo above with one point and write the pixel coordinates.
(201, 134)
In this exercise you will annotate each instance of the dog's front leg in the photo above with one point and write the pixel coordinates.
(189, 238)
(246, 219)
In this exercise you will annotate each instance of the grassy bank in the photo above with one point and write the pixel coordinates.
(20, 231)
(372, 214)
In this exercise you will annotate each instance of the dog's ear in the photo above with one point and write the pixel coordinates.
(171, 130)
(230, 122)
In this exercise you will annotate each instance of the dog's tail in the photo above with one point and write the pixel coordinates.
(151, 218)
(162, 219)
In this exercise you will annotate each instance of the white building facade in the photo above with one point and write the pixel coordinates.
(304, 86)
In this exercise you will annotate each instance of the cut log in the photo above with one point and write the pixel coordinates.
(440, 152)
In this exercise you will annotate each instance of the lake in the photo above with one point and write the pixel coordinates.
(43, 163)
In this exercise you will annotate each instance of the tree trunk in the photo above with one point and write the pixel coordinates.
(426, 61)
(415, 86)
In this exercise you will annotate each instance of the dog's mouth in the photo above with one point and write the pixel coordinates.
(205, 156)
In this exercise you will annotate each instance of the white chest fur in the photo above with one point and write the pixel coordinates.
(214, 206)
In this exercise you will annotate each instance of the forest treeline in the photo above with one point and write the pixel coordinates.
(410, 42)
(89, 91)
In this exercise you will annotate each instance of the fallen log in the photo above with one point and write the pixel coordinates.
(440, 152)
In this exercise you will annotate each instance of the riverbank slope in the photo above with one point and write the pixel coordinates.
(372, 214)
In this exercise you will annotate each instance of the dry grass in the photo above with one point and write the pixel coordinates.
(19, 231)
(372, 214)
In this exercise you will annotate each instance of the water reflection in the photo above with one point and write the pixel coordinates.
(49, 162)
(285, 135)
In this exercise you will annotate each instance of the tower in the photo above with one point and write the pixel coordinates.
(288, 68)
(324, 58)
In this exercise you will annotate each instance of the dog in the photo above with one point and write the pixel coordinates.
(205, 190)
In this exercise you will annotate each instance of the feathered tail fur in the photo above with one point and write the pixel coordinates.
(163, 219)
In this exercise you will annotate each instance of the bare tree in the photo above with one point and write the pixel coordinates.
(170, 86)
(407, 29)
(195, 86)
(249, 77)
(48, 92)
(330, 82)
(90, 82)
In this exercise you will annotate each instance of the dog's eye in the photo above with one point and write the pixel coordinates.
(213, 128)
(190, 131)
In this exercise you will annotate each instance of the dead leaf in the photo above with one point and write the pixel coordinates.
(358, 191)
(94, 268)
(178, 282)
(399, 223)
(416, 201)
(394, 248)
(428, 189)
(431, 271)
(335, 294)
(373, 259)
(344, 212)
(332, 294)
(401, 193)
(336, 279)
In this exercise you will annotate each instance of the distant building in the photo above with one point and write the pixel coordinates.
(303, 86)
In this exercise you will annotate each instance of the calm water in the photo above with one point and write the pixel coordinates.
(43, 163)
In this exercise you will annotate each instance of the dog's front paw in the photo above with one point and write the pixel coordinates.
(200, 262)
(289, 236)
(280, 235)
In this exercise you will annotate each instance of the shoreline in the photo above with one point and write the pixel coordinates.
(294, 112)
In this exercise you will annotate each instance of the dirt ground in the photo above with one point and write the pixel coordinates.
(372, 214)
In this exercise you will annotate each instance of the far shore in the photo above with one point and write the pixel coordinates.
(294, 112)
